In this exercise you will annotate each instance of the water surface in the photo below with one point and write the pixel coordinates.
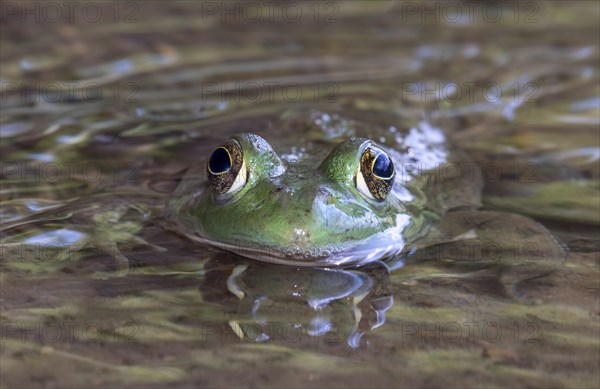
(102, 115)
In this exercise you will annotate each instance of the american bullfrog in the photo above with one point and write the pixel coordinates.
(335, 189)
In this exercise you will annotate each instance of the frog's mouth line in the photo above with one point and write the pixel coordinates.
(351, 255)
(386, 244)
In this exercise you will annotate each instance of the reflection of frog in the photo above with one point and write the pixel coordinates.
(277, 303)
(328, 198)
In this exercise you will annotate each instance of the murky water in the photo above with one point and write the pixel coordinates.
(105, 106)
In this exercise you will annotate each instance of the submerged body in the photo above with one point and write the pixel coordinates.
(330, 190)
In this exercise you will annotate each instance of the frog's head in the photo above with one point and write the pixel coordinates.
(343, 209)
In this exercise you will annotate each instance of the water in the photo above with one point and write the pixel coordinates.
(101, 115)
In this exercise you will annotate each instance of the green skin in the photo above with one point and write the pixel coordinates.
(307, 210)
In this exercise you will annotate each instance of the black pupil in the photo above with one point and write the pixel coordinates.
(219, 161)
(383, 166)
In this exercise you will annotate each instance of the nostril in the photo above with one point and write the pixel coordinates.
(300, 236)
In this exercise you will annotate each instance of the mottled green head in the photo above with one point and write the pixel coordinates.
(348, 207)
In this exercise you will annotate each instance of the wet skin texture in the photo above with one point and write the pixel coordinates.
(361, 202)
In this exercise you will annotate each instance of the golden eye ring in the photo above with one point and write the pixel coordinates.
(226, 168)
(375, 177)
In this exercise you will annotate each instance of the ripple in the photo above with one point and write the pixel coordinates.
(59, 237)
(181, 111)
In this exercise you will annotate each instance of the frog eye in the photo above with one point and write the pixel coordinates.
(227, 171)
(375, 178)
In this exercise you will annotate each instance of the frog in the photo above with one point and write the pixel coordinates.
(339, 189)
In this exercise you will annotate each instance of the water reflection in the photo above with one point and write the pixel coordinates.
(270, 303)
